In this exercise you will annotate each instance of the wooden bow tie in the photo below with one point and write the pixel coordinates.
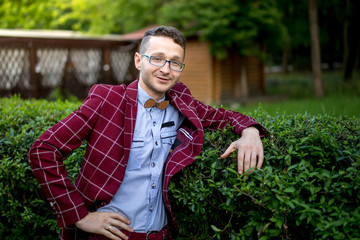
(152, 103)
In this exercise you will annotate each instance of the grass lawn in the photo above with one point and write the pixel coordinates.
(340, 98)
(331, 105)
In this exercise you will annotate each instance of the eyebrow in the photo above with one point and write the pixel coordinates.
(160, 54)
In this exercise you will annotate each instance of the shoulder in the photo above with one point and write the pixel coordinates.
(108, 92)
(180, 93)
(105, 89)
(180, 90)
(101, 94)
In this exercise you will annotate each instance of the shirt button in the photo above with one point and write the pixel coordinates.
(153, 164)
(156, 143)
(154, 123)
(153, 186)
(151, 209)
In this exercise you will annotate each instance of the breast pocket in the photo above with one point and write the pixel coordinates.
(168, 139)
(136, 157)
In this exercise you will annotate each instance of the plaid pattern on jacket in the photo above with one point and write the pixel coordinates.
(106, 120)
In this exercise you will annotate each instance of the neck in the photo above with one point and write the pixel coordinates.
(155, 95)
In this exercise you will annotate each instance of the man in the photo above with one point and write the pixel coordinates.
(136, 142)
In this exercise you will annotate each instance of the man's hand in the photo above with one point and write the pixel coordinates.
(105, 223)
(250, 150)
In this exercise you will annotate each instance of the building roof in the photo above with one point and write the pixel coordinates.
(137, 35)
(57, 34)
(64, 34)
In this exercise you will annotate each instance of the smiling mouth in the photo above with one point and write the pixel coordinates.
(163, 79)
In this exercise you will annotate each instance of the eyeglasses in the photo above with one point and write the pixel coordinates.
(160, 62)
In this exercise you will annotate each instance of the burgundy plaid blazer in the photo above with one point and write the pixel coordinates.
(106, 120)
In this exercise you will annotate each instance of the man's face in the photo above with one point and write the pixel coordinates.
(156, 81)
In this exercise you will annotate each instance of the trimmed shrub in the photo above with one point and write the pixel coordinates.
(25, 212)
(308, 187)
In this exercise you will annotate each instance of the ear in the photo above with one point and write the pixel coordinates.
(137, 60)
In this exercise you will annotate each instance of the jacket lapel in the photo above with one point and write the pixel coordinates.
(184, 107)
(190, 133)
(130, 116)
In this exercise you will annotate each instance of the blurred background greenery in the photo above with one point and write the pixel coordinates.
(292, 93)
(277, 31)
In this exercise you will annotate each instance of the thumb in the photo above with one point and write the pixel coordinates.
(228, 151)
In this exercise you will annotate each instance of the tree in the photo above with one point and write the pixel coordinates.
(30, 14)
(111, 16)
(315, 49)
(295, 44)
(331, 18)
(90, 16)
(243, 25)
(351, 38)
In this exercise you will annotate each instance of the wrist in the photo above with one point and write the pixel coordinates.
(250, 130)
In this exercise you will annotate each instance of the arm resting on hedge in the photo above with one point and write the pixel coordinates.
(250, 150)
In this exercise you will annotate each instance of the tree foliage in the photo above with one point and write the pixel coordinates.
(244, 25)
(295, 17)
(30, 14)
(107, 16)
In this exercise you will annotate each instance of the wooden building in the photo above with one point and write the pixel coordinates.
(229, 80)
(36, 62)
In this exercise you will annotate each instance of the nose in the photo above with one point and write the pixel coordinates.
(166, 67)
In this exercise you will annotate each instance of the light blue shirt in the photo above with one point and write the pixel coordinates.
(139, 197)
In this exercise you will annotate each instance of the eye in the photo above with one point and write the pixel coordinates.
(176, 63)
(156, 59)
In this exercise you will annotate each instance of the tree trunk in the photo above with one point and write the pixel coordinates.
(315, 49)
(351, 38)
(244, 80)
(285, 59)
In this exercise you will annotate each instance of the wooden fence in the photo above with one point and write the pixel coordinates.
(34, 63)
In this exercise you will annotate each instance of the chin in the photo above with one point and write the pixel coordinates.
(163, 90)
(164, 87)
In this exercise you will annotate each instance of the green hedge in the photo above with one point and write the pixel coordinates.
(308, 187)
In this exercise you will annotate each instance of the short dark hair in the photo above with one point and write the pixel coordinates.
(163, 31)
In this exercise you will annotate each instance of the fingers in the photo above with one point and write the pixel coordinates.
(248, 159)
(120, 221)
(247, 155)
(241, 161)
(116, 222)
(114, 233)
(260, 159)
(105, 223)
(229, 150)
(250, 152)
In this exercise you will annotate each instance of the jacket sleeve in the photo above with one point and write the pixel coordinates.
(219, 118)
(52, 147)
